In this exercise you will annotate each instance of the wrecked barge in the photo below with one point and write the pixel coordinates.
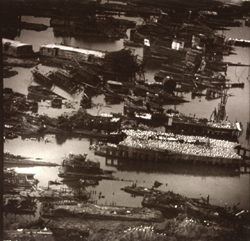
(91, 211)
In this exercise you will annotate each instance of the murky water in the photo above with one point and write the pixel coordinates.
(222, 185)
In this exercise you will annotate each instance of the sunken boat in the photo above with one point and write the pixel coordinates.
(170, 203)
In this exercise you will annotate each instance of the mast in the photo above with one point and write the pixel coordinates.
(221, 115)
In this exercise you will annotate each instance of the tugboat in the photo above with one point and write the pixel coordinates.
(80, 163)
(78, 166)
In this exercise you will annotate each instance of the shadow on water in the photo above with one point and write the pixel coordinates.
(174, 168)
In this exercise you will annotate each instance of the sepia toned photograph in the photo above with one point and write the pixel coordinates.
(125, 120)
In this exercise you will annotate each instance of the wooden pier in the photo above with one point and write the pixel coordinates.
(154, 155)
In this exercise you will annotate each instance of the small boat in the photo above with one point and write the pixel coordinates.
(131, 43)
(137, 190)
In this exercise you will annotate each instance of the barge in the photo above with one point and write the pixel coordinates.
(91, 211)
(17, 49)
(87, 56)
(199, 208)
